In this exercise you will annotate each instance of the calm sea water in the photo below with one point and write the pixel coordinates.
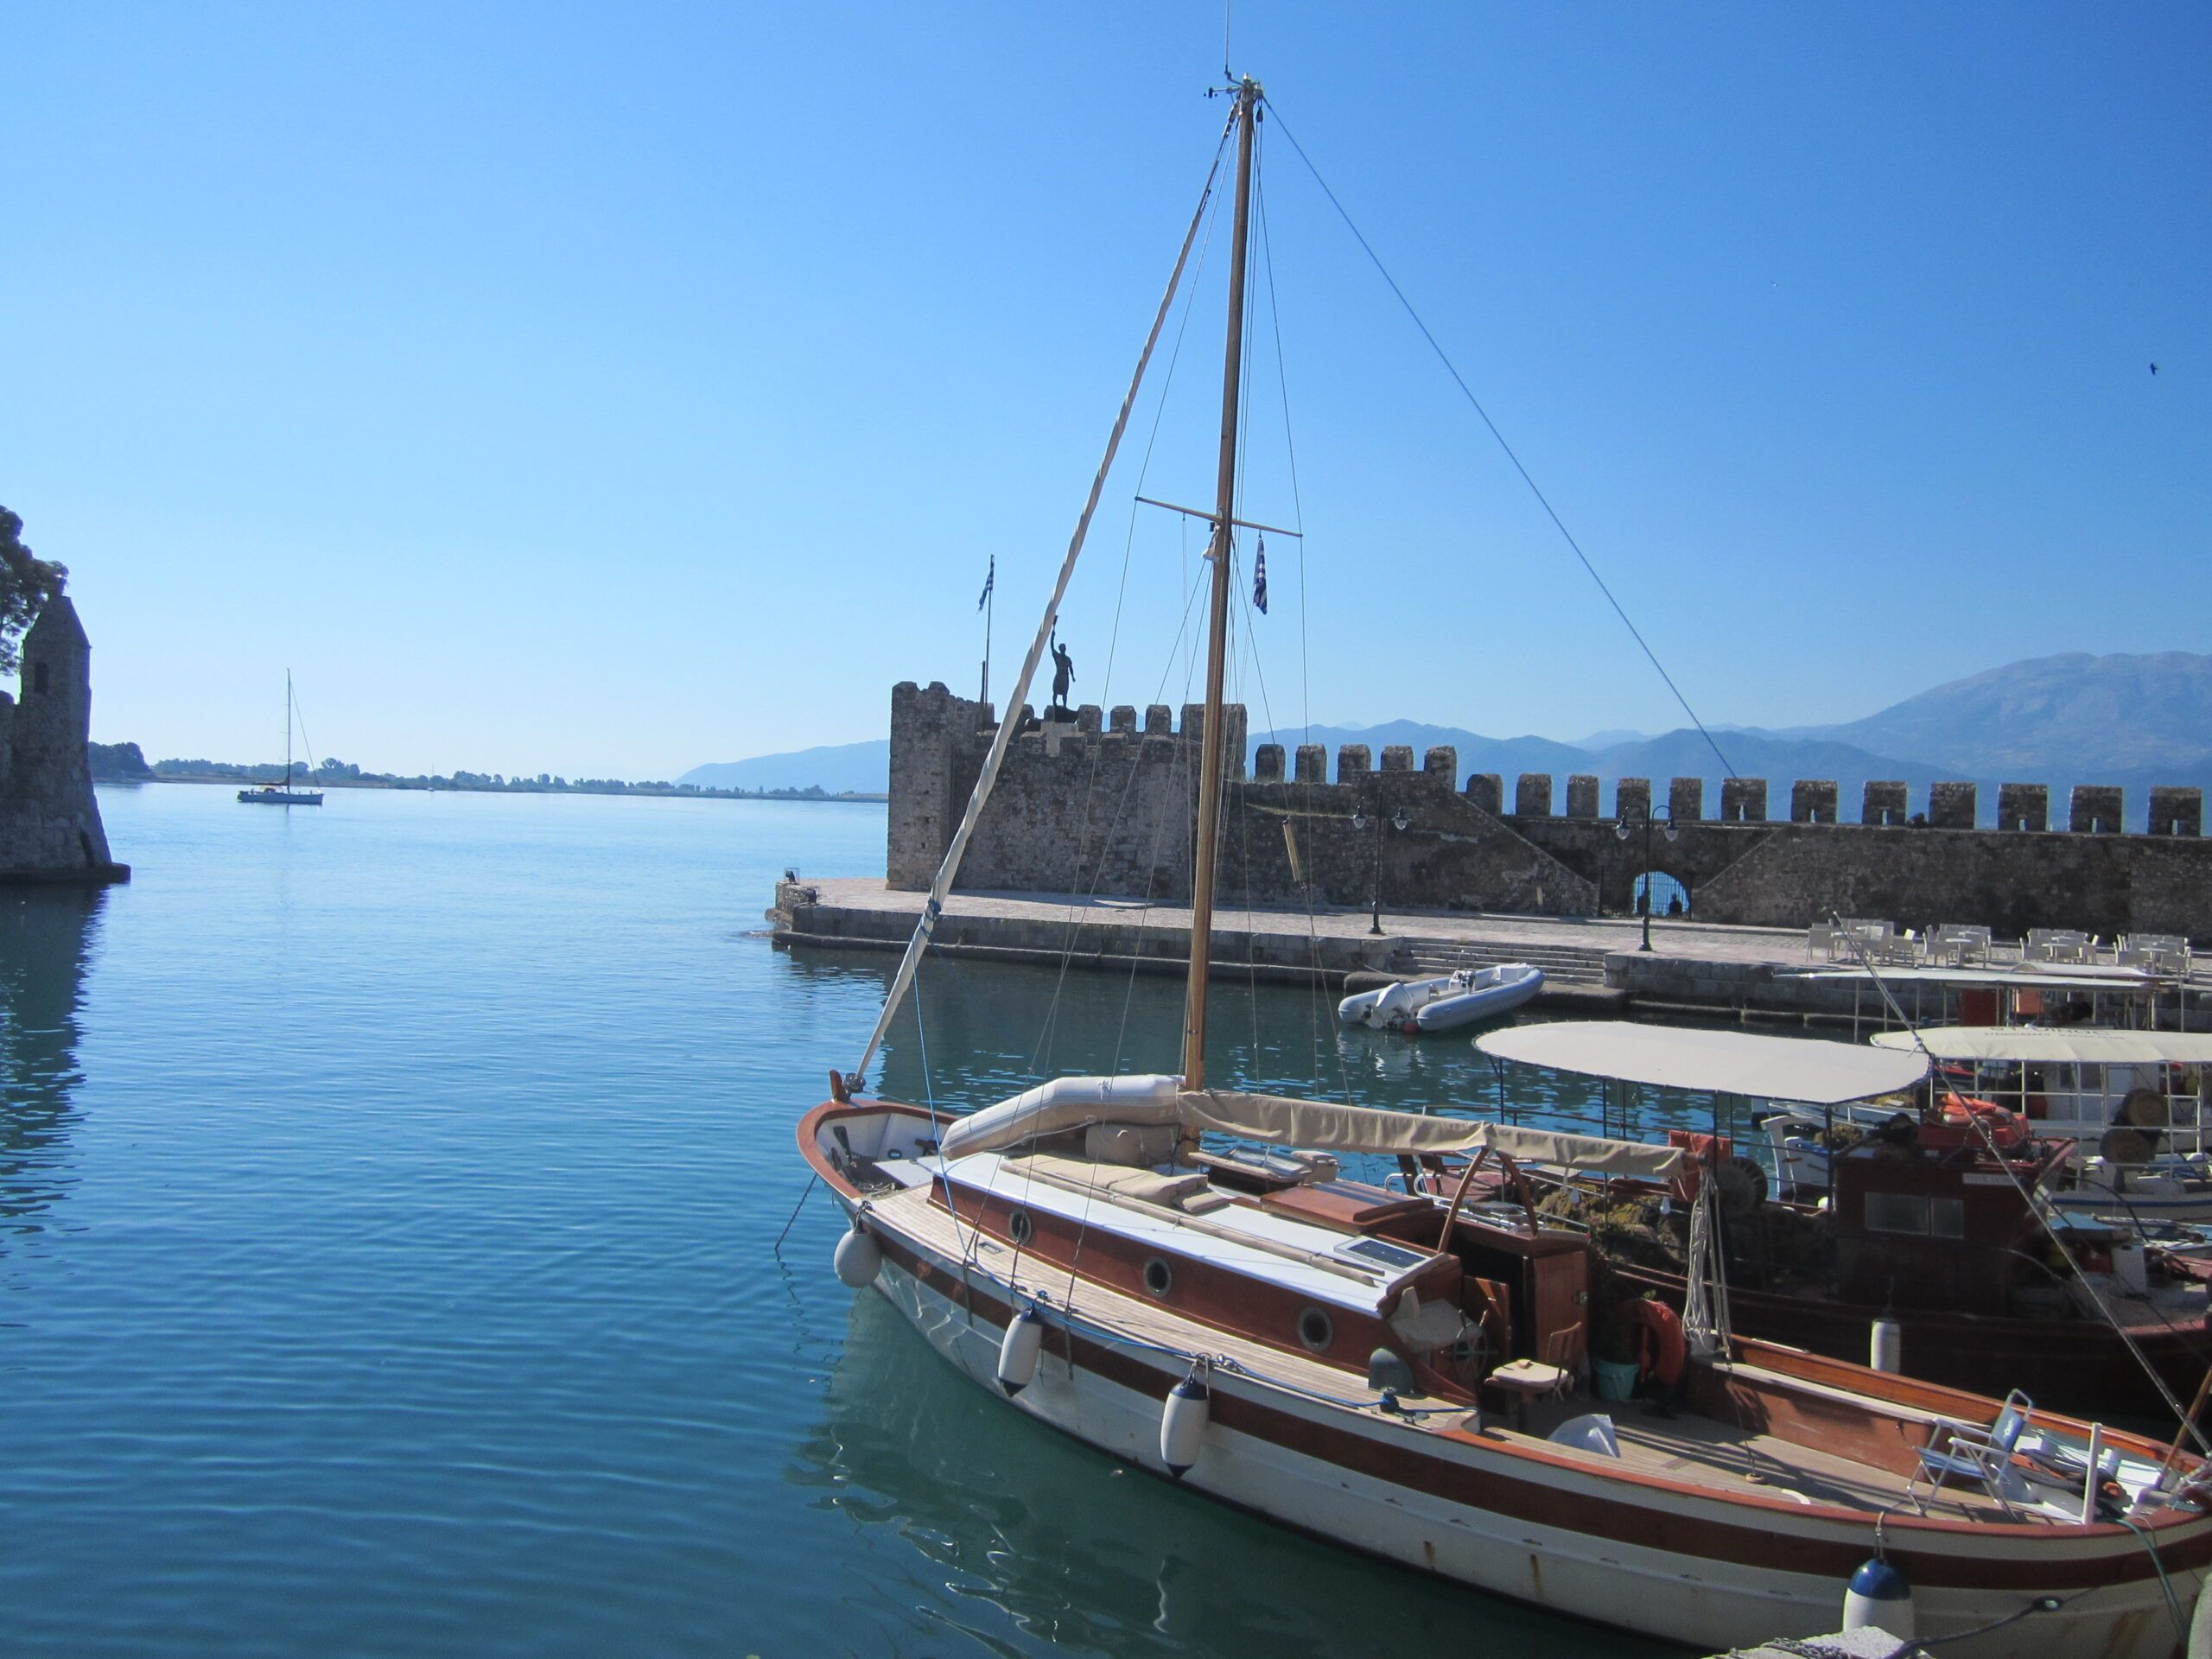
(389, 1205)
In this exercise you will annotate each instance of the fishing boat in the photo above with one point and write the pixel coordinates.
(283, 794)
(1184, 1277)
(1937, 1228)
(2130, 1107)
(2133, 1107)
(1451, 1002)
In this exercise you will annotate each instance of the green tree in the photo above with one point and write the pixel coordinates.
(26, 582)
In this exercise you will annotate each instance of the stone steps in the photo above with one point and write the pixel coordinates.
(1569, 964)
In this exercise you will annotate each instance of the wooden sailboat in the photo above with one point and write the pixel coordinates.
(1403, 1375)
(283, 794)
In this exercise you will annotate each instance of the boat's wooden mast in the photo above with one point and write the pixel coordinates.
(1210, 761)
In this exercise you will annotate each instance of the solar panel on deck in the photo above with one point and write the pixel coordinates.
(1390, 1255)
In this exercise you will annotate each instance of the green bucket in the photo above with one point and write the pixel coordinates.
(1615, 1381)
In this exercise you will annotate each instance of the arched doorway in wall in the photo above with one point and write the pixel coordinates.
(1670, 894)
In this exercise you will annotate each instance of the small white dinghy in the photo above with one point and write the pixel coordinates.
(1446, 1002)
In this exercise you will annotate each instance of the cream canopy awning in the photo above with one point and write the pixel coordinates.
(2075, 977)
(2094, 1046)
(1326, 1126)
(1808, 1071)
(1321, 1126)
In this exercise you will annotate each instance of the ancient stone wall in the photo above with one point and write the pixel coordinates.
(1110, 813)
(50, 825)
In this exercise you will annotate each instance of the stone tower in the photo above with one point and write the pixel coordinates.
(49, 819)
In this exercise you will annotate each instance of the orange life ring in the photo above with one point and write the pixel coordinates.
(1660, 1346)
(2004, 1126)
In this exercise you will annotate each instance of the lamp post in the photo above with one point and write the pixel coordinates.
(1397, 821)
(1626, 828)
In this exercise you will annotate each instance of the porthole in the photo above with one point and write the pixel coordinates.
(1159, 1277)
(1021, 1227)
(1316, 1330)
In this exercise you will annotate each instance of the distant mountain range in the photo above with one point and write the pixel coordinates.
(838, 768)
(2074, 713)
(2135, 720)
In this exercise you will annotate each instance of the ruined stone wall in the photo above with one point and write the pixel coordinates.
(1106, 808)
(50, 826)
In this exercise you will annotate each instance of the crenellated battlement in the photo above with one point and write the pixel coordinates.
(2092, 809)
(1102, 804)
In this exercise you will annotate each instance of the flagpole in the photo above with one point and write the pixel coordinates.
(990, 604)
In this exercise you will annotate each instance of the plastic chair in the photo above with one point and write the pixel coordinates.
(1550, 1378)
(1984, 1455)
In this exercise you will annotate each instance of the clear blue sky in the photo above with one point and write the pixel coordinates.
(609, 390)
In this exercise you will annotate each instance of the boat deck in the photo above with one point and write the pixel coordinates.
(1686, 1446)
(1689, 1448)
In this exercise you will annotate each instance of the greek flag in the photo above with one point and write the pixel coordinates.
(989, 581)
(1260, 578)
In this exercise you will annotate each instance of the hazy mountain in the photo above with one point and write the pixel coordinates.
(1685, 753)
(1507, 756)
(2090, 718)
(837, 768)
(1610, 739)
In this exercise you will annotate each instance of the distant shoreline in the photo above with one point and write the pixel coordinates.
(446, 786)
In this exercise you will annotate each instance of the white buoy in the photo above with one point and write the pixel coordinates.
(1183, 1426)
(1878, 1595)
(1024, 1337)
(1885, 1349)
(859, 1257)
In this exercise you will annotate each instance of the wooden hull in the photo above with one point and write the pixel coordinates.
(1711, 1566)
(2079, 1366)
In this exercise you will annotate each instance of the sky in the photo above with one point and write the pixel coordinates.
(607, 390)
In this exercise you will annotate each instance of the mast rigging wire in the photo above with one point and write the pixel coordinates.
(1475, 402)
(942, 883)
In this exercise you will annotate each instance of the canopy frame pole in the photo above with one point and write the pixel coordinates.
(1459, 1196)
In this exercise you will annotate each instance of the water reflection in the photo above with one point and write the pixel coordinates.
(46, 937)
(976, 1523)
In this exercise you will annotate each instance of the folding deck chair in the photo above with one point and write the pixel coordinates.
(1984, 1455)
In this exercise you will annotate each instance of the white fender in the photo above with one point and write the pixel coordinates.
(1878, 1595)
(1885, 1349)
(859, 1257)
(1017, 1351)
(1183, 1426)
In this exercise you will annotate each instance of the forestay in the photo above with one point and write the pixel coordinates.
(1804, 1070)
(942, 883)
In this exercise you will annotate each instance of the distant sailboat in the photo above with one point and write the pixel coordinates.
(283, 794)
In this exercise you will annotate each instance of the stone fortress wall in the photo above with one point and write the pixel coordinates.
(1104, 807)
